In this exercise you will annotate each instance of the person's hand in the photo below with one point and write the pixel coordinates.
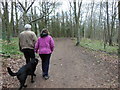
(37, 51)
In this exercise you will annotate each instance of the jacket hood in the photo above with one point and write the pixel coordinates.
(43, 35)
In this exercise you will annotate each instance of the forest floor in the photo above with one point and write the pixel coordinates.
(70, 67)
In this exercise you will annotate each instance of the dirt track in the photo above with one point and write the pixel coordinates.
(75, 67)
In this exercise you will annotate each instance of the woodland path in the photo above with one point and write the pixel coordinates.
(75, 67)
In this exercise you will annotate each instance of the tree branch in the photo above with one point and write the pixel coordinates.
(75, 11)
(36, 20)
(21, 5)
(30, 6)
(40, 17)
(3, 4)
(79, 9)
(71, 5)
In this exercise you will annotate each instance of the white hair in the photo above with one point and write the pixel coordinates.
(27, 26)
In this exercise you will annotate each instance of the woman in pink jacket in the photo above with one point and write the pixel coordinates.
(45, 46)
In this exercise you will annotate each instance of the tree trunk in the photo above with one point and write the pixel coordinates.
(77, 17)
(12, 20)
(108, 27)
(16, 16)
(78, 34)
(119, 28)
(71, 23)
(7, 28)
(119, 44)
(112, 22)
(100, 22)
(91, 21)
(105, 40)
(85, 22)
(3, 24)
(63, 25)
(35, 23)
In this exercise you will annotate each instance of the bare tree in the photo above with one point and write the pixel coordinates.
(46, 9)
(34, 16)
(63, 25)
(108, 27)
(119, 29)
(71, 21)
(16, 18)
(12, 19)
(3, 22)
(85, 21)
(119, 43)
(105, 36)
(100, 20)
(25, 10)
(114, 14)
(6, 20)
(77, 18)
(91, 20)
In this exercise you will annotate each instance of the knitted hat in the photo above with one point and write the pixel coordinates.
(27, 26)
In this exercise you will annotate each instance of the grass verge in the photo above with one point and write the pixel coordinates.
(98, 45)
(11, 48)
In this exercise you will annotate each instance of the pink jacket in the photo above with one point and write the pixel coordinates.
(44, 45)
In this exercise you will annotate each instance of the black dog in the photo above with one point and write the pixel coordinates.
(24, 71)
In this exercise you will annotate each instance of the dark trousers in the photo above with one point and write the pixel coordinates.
(28, 54)
(45, 63)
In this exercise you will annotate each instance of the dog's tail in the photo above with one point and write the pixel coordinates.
(10, 72)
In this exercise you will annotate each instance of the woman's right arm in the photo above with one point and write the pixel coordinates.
(52, 44)
(37, 46)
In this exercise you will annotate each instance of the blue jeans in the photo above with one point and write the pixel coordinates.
(45, 63)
